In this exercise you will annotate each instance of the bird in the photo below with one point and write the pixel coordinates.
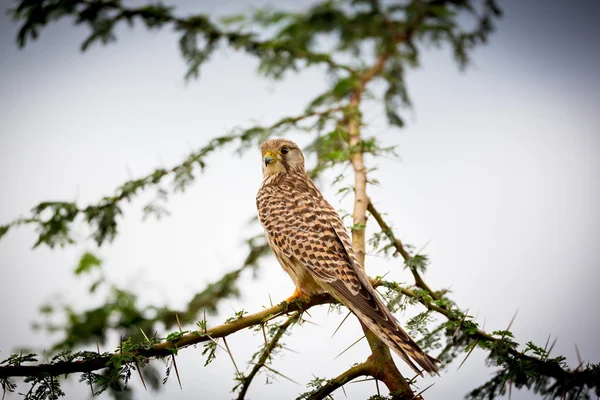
(310, 241)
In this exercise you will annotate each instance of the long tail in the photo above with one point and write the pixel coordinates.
(399, 341)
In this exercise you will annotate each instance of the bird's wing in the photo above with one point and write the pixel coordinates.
(308, 229)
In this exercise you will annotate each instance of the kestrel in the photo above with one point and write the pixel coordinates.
(312, 245)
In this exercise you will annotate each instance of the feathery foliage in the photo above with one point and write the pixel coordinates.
(365, 47)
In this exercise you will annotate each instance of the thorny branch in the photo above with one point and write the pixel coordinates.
(372, 367)
(380, 364)
(545, 367)
(362, 369)
(397, 243)
(55, 229)
(389, 373)
(266, 354)
(165, 348)
(155, 16)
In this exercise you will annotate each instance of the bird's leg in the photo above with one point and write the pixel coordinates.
(297, 296)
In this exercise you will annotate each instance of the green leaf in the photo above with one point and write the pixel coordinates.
(344, 86)
(440, 11)
(357, 227)
(87, 262)
(210, 349)
(95, 285)
(393, 117)
(232, 19)
(3, 230)
(417, 262)
(46, 309)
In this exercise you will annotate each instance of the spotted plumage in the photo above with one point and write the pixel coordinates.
(312, 245)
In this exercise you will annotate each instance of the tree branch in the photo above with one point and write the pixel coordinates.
(157, 16)
(547, 367)
(397, 243)
(55, 229)
(543, 366)
(164, 348)
(378, 369)
(381, 355)
(266, 354)
(332, 385)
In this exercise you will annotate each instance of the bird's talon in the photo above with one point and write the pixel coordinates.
(297, 296)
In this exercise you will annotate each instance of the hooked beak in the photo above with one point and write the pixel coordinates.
(269, 158)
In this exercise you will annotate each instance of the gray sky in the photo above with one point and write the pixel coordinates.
(499, 175)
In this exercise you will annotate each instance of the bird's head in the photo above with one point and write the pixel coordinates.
(280, 156)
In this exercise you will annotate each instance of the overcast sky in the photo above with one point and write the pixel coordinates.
(499, 178)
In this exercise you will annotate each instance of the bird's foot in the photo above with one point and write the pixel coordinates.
(297, 296)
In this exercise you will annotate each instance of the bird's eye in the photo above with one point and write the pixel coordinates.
(284, 150)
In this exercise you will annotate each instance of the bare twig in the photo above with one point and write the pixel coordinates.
(468, 354)
(262, 328)
(341, 323)
(349, 347)
(143, 333)
(578, 358)
(418, 395)
(511, 322)
(178, 323)
(137, 367)
(231, 356)
(176, 371)
(280, 374)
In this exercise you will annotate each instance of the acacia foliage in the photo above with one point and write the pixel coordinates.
(365, 48)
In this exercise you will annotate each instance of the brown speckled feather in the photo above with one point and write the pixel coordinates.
(311, 243)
